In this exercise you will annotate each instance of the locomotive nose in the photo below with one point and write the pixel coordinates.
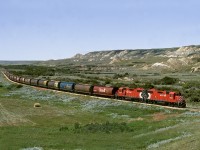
(182, 101)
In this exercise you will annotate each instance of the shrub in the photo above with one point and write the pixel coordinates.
(195, 99)
(63, 128)
(148, 85)
(19, 86)
(107, 81)
(1, 85)
(168, 80)
(193, 94)
(116, 76)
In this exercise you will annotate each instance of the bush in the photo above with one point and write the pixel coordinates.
(168, 81)
(107, 81)
(195, 99)
(192, 94)
(1, 85)
(148, 85)
(63, 128)
(116, 76)
(189, 85)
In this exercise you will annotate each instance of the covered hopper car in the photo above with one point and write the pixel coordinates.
(84, 88)
(53, 85)
(66, 86)
(104, 91)
(42, 83)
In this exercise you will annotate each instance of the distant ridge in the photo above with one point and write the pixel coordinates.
(5, 62)
(185, 58)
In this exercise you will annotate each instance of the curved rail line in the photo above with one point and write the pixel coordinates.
(125, 101)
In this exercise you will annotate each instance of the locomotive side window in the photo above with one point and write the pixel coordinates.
(172, 95)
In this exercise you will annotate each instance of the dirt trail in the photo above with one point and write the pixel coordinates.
(8, 118)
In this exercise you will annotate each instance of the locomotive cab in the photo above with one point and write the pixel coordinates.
(172, 95)
(179, 99)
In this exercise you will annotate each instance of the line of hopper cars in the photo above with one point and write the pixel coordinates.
(123, 93)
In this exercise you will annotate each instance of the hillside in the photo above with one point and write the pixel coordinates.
(186, 58)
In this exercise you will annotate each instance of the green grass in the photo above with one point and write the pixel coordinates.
(68, 121)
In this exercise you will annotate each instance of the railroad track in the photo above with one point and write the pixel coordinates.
(125, 101)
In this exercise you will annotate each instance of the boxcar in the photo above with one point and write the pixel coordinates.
(67, 86)
(42, 83)
(83, 88)
(27, 81)
(53, 84)
(34, 82)
(105, 91)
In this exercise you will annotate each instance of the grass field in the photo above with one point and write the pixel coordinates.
(69, 121)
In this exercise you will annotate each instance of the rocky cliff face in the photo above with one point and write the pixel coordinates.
(121, 55)
(171, 59)
(187, 56)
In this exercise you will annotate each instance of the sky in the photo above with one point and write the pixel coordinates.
(58, 29)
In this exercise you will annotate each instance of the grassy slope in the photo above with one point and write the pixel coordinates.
(22, 125)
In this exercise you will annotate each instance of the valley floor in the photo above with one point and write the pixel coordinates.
(68, 121)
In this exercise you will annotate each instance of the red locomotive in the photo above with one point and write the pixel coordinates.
(151, 96)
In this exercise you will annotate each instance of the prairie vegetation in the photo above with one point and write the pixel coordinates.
(188, 84)
(68, 121)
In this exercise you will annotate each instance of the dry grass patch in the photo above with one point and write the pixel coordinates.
(162, 116)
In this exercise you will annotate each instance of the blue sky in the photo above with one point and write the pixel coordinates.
(55, 29)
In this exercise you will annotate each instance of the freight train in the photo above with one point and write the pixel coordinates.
(123, 93)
